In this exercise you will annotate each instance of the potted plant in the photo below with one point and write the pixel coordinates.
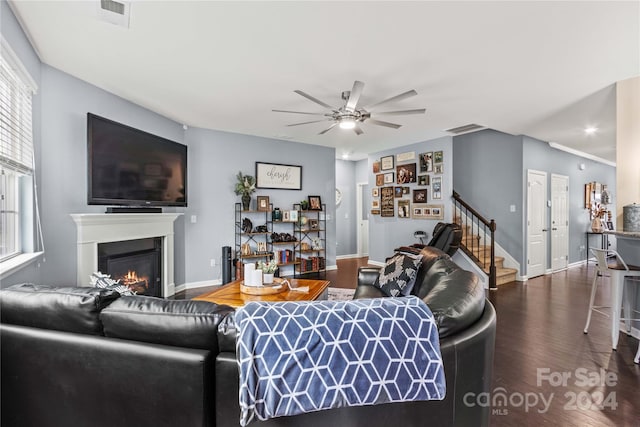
(268, 270)
(245, 186)
(304, 205)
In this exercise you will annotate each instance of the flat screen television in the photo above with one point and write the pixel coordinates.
(133, 168)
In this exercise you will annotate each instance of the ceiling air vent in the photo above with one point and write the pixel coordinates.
(465, 129)
(114, 12)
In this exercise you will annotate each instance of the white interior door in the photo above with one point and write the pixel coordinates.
(362, 214)
(536, 223)
(559, 222)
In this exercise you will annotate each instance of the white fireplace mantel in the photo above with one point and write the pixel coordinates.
(96, 228)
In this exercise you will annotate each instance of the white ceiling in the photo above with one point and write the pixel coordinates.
(543, 69)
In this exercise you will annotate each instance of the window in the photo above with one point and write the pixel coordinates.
(16, 155)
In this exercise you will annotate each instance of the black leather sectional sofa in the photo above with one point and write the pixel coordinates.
(87, 357)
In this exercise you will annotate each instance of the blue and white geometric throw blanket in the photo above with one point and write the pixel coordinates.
(298, 357)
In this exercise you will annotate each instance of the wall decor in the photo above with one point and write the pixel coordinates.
(424, 211)
(376, 167)
(437, 169)
(386, 163)
(293, 216)
(387, 202)
(404, 208)
(263, 203)
(398, 191)
(406, 173)
(426, 162)
(375, 211)
(313, 224)
(375, 192)
(436, 187)
(380, 180)
(375, 204)
(406, 190)
(285, 216)
(423, 179)
(419, 196)
(405, 157)
(285, 177)
(438, 157)
(388, 178)
(315, 204)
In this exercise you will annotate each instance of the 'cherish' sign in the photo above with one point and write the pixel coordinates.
(271, 175)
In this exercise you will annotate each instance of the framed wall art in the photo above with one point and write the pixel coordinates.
(386, 163)
(375, 192)
(404, 208)
(436, 188)
(387, 202)
(405, 157)
(398, 191)
(315, 204)
(283, 177)
(388, 178)
(438, 157)
(380, 180)
(376, 167)
(423, 179)
(406, 174)
(438, 168)
(426, 162)
(419, 196)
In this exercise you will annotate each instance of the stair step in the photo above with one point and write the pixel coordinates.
(505, 275)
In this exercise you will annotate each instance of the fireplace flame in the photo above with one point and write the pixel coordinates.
(134, 282)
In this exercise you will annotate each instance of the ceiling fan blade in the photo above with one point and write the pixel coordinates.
(311, 98)
(404, 95)
(381, 123)
(416, 111)
(298, 112)
(357, 130)
(354, 96)
(306, 123)
(328, 129)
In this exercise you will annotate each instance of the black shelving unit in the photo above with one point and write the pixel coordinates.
(311, 249)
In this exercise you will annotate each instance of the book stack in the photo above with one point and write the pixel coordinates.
(310, 264)
(284, 256)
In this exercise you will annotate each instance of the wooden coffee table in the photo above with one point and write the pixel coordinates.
(230, 294)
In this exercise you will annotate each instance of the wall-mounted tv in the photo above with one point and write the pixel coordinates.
(133, 168)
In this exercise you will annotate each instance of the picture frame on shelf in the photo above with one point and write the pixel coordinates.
(285, 216)
(426, 162)
(610, 226)
(313, 224)
(263, 203)
(386, 163)
(278, 176)
(315, 203)
(293, 216)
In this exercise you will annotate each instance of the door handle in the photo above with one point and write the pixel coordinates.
(554, 229)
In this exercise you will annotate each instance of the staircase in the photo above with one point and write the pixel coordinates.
(481, 255)
(479, 244)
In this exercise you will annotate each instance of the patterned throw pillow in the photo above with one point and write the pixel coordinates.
(399, 274)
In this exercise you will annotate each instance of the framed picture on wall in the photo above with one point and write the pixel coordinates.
(386, 163)
(388, 178)
(419, 196)
(423, 180)
(438, 157)
(380, 180)
(404, 208)
(406, 173)
(387, 202)
(426, 162)
(438, 169)
(436, 188)
(375, 192)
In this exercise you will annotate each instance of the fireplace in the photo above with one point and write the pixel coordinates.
(95, 229)
(137, 264)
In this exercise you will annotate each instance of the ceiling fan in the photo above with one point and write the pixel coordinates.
(350, 116)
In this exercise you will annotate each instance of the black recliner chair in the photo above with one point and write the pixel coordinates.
(446, 237)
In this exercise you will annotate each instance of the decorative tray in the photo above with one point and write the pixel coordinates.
(278, 285)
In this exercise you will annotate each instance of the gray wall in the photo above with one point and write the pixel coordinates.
(214, 160)
(346, 221)
(490, 172)
(487, 170)
(385, 234)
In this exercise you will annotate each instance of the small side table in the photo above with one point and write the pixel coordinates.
(604, 241)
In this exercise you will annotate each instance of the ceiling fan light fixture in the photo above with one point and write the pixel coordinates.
(347, 123)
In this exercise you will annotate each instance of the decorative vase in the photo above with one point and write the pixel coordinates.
(267, 278)
(596, 225)
(246, 202)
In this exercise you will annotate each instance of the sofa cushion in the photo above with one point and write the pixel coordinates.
(182, 323)
(397, 277)
(69, 309)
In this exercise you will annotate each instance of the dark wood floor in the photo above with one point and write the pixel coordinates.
(539, 330)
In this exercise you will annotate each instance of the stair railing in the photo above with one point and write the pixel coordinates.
(474, 224)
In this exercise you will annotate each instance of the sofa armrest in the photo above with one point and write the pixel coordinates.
(368, 275)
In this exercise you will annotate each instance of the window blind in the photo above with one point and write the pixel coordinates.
(16, 135)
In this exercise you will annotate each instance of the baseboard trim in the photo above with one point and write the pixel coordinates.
(201, 284)
(349, 256)
(331, 267)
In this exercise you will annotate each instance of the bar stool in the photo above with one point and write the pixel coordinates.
(637, 359)
(618, 271)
